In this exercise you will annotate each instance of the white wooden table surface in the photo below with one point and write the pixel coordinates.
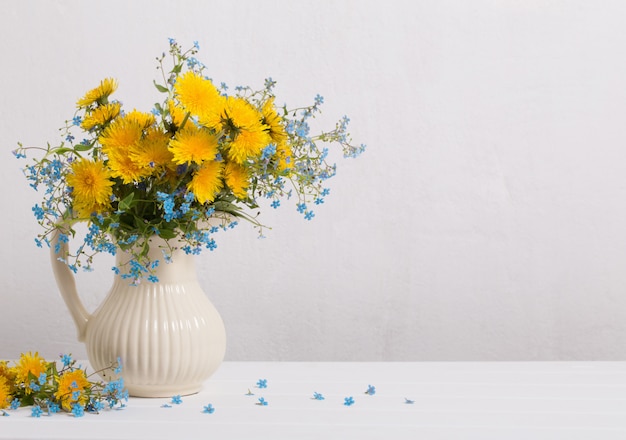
(455, 400)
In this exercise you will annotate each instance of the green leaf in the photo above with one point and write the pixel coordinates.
(167, 234)
(126, 203)
(81, 147)
(144, 250)
(160, 88)
(63, 150)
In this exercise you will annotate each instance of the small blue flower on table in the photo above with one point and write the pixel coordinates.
(95, 407)
(371, 390)
(176, 400)
(36, 411)
(348, 401)
(208, 409)
(318, 396)
(78, 410)
(53, 408)
(262, 383)
(262, 401)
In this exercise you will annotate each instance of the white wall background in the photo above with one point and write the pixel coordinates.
(487, 220)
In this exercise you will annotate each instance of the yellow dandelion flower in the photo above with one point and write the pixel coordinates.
(124, 167)
(196, 94)
(176, 112)
(120, 135)
(206, 182)
(119, 140)
(240, 114)
(274, 122)
(193, 144)
(91, 186)
(72, 385)
(101, 115)
(5, 393)
(144, 120)
(152, 151)
(284, 158)
(7, 372)
(248, 144)
(99, 94)
(29, 364)
(236, 179)
(249, 134)
(82, 209)
(213, 115)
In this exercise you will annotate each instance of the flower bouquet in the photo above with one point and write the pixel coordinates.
(200, 154)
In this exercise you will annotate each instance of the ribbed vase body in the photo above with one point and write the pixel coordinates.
(168, 335)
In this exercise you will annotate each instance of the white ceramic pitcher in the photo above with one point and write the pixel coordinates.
(168, 335)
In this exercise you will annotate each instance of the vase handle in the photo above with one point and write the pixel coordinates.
(67, 284)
